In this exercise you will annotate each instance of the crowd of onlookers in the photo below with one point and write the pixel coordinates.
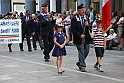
(115, 36)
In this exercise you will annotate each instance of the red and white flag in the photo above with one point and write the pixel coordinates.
(106, 15)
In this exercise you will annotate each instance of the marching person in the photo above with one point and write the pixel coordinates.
(27, 30)
(99, 43)
(79, 28)
(9, 16)
(36, 36)
(46, 31)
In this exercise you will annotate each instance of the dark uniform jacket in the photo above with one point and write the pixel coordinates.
(36, 26)
(76, 29)
(46, 26)
(27, 27)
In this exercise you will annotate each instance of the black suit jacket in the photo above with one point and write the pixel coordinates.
(76, 29)
(36, 26)
(27, 27)
(46, 26)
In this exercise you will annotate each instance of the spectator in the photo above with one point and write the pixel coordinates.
(67, 21)
(120, 29)
(112, 40)
(114, 21)
(59, 20)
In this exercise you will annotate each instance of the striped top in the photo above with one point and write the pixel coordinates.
(98, 37)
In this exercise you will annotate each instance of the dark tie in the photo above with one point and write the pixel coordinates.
(27, 18)
(82, 20)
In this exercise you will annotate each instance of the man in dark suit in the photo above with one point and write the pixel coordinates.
(47, 32)
(37, 36)
(27, 30)
(80, 30)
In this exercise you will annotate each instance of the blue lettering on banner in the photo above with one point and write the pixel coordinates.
(11, 40)
(16, 30)
(9, 23)
(1, 40)
(5, 31)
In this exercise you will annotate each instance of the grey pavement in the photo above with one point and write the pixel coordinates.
(29, 67)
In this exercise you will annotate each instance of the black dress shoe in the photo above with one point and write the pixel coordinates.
(46, 60)
(42, 48)
(78, 64)
(35, 48)
(21, 50)
(83, 70)
(30, 50)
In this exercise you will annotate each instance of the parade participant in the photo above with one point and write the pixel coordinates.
(9, 16)
(27, 30)
(46, 31)
(79, 28)
(36, 36)
(59, 49)
(99, 43)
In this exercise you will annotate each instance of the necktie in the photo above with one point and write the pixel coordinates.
(82, 22)
(27, 18)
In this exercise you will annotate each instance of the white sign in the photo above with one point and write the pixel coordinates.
(10, 31)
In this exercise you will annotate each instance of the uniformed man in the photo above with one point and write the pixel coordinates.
(37, 36)
(46, 31)
(27, 30)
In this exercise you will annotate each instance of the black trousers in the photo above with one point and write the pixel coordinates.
(9, 45)
(111, 43)
(48, 46)
(28, 41)
(38, 38)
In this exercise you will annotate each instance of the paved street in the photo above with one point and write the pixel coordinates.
(29, 67)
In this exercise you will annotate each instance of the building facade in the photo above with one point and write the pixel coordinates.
(56, 5)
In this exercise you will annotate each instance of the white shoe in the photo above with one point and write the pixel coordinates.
(100, 69)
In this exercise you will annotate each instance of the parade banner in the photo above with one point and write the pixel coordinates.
(10, 31)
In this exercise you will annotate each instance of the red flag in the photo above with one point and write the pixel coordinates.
(106, 15)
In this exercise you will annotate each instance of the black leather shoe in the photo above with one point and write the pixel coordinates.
(35, 48)
(21, 50)
(46, 60)
(42, 48)
(78, 64)
(30, 50)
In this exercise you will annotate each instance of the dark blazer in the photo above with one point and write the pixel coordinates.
(27, 27)
(36, 26)
(76, 29)
(46, 26)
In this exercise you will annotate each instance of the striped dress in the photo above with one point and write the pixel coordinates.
(98, 37)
